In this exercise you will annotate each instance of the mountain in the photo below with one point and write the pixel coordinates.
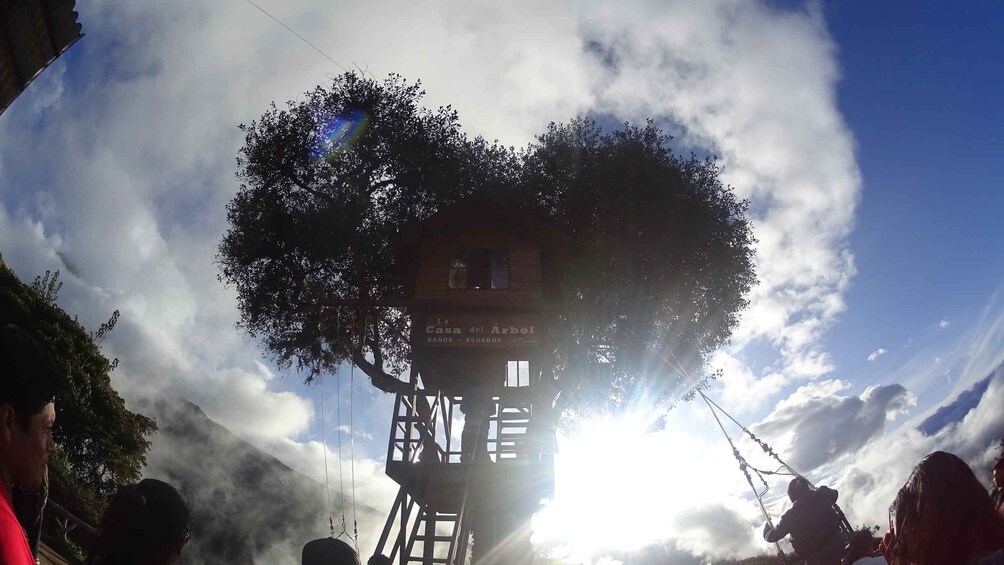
(956, 410)
(247, 506)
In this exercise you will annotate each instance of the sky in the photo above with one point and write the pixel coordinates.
(867, 141)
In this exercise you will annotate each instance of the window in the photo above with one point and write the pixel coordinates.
(479, 268)
(459, 262)
(517, 373)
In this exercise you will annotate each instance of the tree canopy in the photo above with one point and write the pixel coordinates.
(100, 444)
(661, 254)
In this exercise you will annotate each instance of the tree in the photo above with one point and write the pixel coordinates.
(661, 259)
(326, 185)
(101, 444)
(661, 255)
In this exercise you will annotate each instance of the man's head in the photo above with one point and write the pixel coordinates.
(144, 523)
(797, 488)
(28, 382)
(999, 473)
(328, 551)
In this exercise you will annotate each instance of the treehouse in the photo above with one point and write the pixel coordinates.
(480, 273)
(480, 276)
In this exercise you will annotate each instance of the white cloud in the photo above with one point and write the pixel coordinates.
(876, 354)
(816, 424)
(944, 323)
(768, 109)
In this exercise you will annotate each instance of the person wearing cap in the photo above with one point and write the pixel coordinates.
(28, 382)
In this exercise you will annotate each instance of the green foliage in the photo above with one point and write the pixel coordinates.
(66, 548)
(304, 228)
(661, 258)
(102, 445)
(661, 251)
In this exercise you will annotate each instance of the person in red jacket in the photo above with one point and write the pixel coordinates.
(812, 522)
(28, 382)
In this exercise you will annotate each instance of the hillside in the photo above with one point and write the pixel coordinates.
(248, 507)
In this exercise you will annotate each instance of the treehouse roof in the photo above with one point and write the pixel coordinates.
(35, 32)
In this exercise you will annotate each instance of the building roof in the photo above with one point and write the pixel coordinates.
(33, 33)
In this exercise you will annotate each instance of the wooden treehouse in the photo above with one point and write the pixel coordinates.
(472, 447)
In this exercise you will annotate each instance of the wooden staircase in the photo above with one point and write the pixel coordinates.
(431, 519)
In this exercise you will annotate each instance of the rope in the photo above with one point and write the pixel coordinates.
(352, 450)
(354, 536)
(763, 445)
(324, 449)
(743, 467)
(341, 478)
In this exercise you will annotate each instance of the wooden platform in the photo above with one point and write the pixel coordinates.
(46, 556)
(442, 485)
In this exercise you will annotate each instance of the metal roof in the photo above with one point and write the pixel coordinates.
(32, 34)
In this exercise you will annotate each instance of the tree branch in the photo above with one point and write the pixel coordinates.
(378, 185)
(378, 377)
(303, 186)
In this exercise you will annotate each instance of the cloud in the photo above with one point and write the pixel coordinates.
(816, 424)
(869, 480)
(943, 323)
(760, 106)
(876, 354)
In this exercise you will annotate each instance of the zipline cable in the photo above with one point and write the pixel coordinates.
(303, 39)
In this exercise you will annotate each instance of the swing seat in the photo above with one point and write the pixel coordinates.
(328, 551)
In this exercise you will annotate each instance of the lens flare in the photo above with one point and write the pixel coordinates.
(336, 134)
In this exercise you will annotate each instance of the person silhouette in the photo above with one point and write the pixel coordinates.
(997, 494)
(943, 516)
(29, 379)
(144, 524)
(328, 551)
(812, 523)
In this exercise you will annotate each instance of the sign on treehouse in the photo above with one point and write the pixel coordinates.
(463, 329)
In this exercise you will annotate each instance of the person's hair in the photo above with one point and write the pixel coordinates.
(1000, 463)
(798, 487)
(943, 514)
(141, 522)
(862, 544)
(31, 376)
(328, 551)
(379, 559)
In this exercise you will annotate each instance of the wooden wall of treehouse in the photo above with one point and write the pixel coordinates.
(524, 284)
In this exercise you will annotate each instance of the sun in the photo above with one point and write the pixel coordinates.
(612, 479)
(621, 486)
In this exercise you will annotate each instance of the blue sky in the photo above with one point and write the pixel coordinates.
(867, 139)
(920, 87)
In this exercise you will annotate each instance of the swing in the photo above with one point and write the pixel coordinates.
(332, 550)
(846, 531)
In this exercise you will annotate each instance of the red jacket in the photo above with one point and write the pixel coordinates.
(13, 543)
